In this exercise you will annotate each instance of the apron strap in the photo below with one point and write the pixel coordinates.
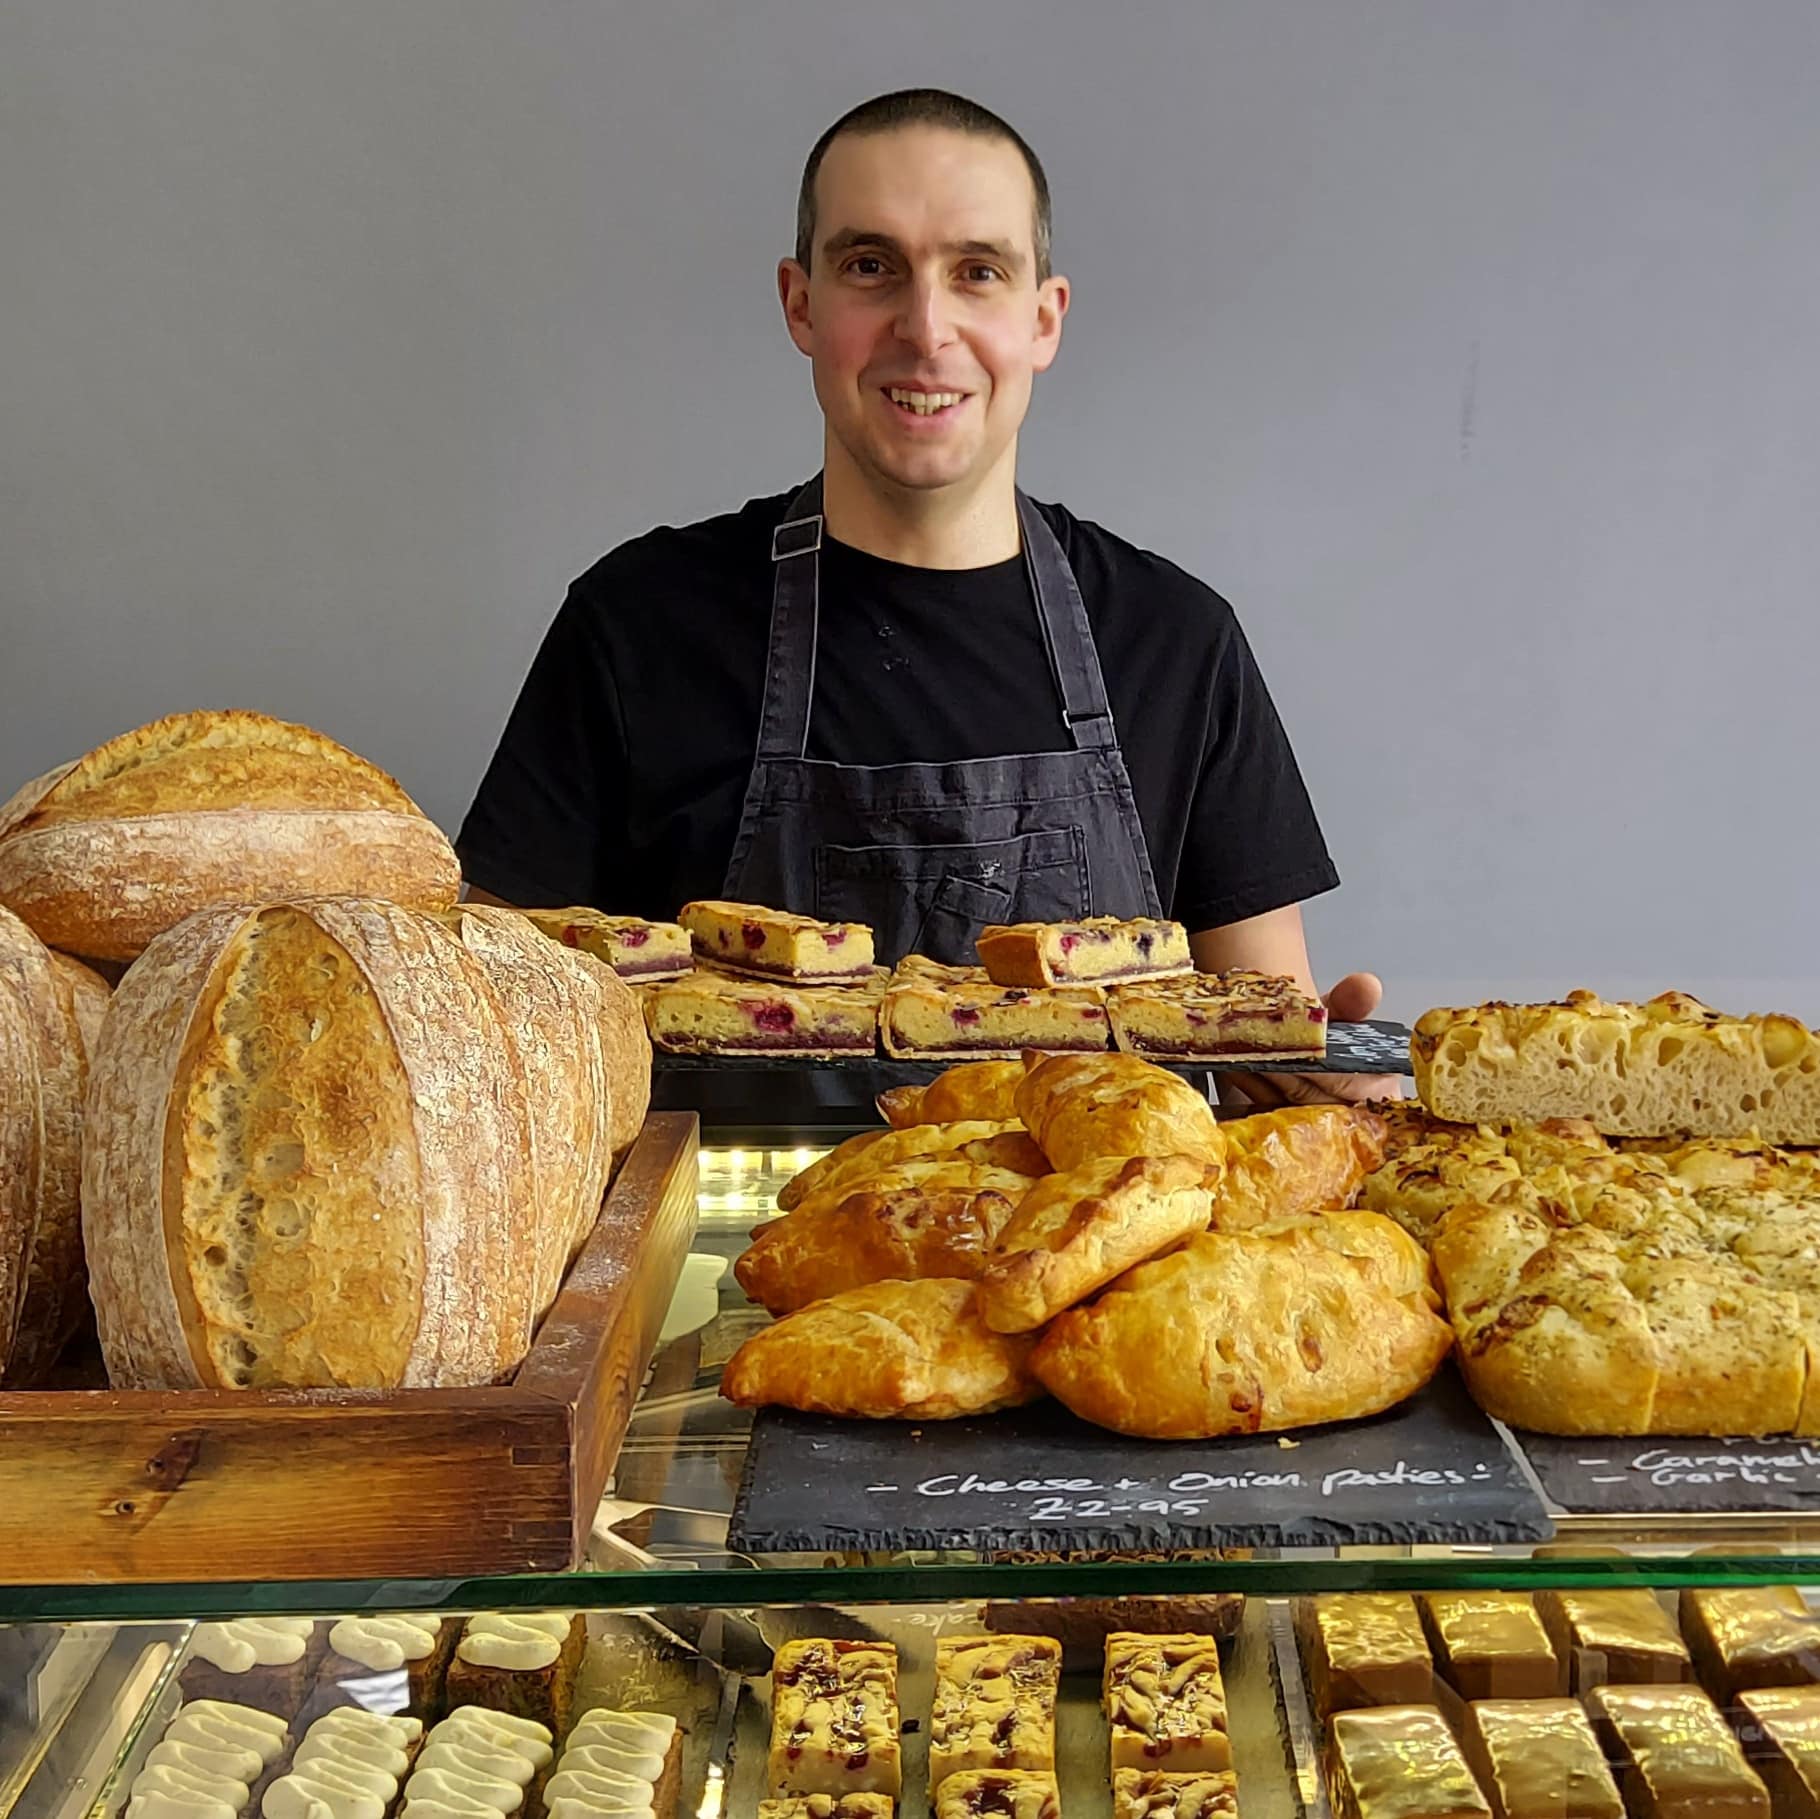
(1067, 636)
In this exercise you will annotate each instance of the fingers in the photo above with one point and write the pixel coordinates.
(1252, 1092)
(1355, 998)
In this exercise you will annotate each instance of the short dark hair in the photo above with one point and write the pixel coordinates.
(922, 107)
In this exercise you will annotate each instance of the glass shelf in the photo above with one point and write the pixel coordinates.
(660, 1538)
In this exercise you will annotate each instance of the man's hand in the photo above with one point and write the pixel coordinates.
(1351, 1001)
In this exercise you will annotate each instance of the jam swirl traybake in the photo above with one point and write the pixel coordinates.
(834, 1719)
(633, 947)
(1166, 1703)
(709, 1012)
(933, 1011)
(994, 1704)
(1091, 952)
(774, 944)
(1235, 1016)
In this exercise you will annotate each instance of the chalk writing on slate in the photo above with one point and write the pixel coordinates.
(1659, 1475)
(1037, 1478)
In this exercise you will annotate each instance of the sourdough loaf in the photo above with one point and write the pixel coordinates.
(57, 1003)
(205, 808)
(1634, 1070)
(308, 1160)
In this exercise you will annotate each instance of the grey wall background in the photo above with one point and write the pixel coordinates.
(1469, 348)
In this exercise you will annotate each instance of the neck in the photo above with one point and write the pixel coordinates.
(967, 526)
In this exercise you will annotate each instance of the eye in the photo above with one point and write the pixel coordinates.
(983, 274)
(866, 265)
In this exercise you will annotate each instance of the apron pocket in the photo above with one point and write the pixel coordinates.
(934, 900)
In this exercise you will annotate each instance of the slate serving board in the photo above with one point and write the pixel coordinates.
(763, 1090)
(1653, 1476)
(1434, 1470)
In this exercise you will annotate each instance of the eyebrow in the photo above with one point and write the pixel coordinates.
(848, 239)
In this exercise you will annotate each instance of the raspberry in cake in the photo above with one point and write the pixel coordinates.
(1166, 1703)
(1236, 1016)
(1095, 951)
(834, 1719)
(633, 947)
(956, 1011)
(1154, 1794)
(994, 1704)
(997, 1793)
(773, 944)
(709, 1012)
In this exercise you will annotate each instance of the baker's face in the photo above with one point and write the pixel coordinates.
(921, 310)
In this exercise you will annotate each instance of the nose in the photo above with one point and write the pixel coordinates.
(924, 323)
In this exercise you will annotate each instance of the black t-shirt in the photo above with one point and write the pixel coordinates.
(621, 775)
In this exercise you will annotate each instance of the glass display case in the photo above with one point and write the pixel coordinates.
(677, 1622)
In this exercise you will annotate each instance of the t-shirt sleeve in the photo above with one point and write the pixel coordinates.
(1253, 841)
(548, 816)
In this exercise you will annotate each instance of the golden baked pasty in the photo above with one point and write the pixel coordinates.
(867, 1236)
(913, 1349)
(872, 1152)
(1242, 1332)
(923, 1174)
(1073, 1233)
(973, 1089)
(1298, 1160)
(1079, 1107)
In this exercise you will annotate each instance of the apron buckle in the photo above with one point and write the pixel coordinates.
(797, 537)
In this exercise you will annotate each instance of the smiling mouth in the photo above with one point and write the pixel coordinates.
(923, 404)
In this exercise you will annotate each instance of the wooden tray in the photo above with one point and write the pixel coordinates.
(191, 1485)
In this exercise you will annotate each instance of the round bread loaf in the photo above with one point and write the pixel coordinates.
(102, 855)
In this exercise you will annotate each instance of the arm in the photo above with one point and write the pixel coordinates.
(1271, 943)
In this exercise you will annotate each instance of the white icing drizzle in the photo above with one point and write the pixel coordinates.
(384, 1643)
(472, 1755)
(204, 1765)
(521, 1641)
(174, 1765)
(244, 1643)
(611, 1766)
(156, 1803)
(476, 1763)
(347, 1767)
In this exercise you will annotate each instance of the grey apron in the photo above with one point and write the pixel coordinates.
(929, 853)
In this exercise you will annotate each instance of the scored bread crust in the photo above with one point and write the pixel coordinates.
(20, 1123)
(625, 1050)
(1634, 1070)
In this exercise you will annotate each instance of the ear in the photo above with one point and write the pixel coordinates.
(1052, 298)
(793, 294)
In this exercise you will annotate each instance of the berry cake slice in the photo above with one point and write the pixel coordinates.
(939, 1012)
(633, 947)
(1236, 1016)
(773, 944)
(1092, 952)
(708, 1012)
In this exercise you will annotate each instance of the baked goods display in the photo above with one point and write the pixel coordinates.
(1158, 1794)
(266, 1662)
(1233, 1016)
(834, 1719)
(994, 1705)
(1744, 1637)
(478, 1761)
(1675, 1753)
(1165, 1703)
(1298, 1160)
(1080, 1107)
(617, 1763)
(50, 1016)
(1073, 1233)
(636, 949)
(1490, 1645)
(415, 1648)
(1362, 1649)
(997, 1793)
(891, 1349)
(350, 1763)
(713, 1012)
(1399, 1762)
(937, 1012)
(974, 1089)
(210, 1751)
(522, 1663)
(1669, 1067)
(828, 1806)
(774, 944)
(1094, 951)
(1622, 1636)
(1539, 1759)
(101, 855)
(873, 1152)
(1782, 1742)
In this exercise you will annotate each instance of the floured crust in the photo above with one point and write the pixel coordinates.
(776, 944)
(934, 1012)
(1075, 1232)
(1095, 950)
(1079, 1107)
(1231, 1016)
(21, 1140)
(1634, 1070)
(909, 1349)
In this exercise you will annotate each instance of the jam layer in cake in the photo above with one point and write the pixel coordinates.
(834, 1719)
(709, 1012)
(633, 947)
(997, 1793)
(1092, 952)
(1233, 1016)
(1153, 1794)
(942, 1011)
(827, 1806)
(745, 938)
(1166, 1703)
(994, 1704)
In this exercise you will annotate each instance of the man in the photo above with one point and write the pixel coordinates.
(904, 694)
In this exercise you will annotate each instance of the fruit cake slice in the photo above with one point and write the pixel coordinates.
(937, 1012)
(1095, 951)
(994, 1704)
(774, 944)
(1235, 1016)
(633, 947)
(834, 1719)
(1155, 1794)
(1166, 1703)
(710, 1012)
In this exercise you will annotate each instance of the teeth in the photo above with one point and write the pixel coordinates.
(923, 403)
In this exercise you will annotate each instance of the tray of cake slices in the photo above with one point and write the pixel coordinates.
(1588, 1701)
(739, 986)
